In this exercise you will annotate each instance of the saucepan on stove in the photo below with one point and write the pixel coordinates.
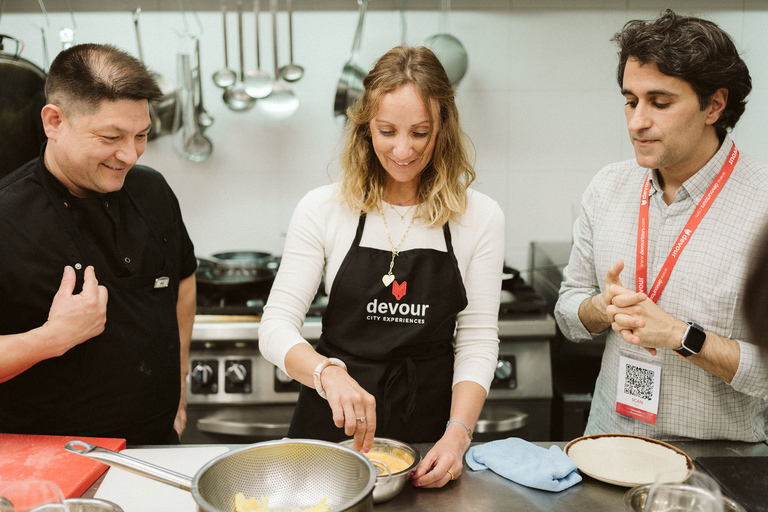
(290, 473)
(226, 271)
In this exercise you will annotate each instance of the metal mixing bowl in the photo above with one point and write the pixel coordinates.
(634, 500)
(386, 490)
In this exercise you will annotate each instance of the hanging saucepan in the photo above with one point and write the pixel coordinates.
(350, 85)
(162, 110)
(22, 97)
(448, 49)
(273, 469)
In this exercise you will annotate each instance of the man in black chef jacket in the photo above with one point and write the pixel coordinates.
(115, 232)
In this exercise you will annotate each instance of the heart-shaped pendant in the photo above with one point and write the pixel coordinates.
(387, 279)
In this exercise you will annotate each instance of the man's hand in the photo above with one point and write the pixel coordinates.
(74, 319)
(593, 312)
(612, 287)
(645, 324)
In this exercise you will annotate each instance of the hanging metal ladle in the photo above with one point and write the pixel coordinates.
(235, 96)
(258, 83)
(224, 77)
(281, 102)
(190, 142)
(291, 72)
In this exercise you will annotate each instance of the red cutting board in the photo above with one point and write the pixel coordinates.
(31, 457)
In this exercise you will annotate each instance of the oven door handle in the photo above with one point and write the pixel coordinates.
(242, 428)
(515, 420)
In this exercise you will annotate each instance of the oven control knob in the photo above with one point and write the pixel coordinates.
(202, 374)
(503, 370)
(236, 373)
(282, 377)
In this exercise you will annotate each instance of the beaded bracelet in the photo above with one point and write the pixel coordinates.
(469, 430)
(332, 361)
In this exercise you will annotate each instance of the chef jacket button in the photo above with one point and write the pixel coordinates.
(78, 266)
(668, 222)
(106, 204)
(127, 259)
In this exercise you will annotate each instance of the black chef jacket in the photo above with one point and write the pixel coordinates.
(129, 236)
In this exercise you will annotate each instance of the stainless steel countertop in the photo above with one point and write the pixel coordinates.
(220, 328)
(487, 491)
(480, 491)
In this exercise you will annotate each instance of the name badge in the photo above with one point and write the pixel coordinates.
(162, 282)
(638, 387)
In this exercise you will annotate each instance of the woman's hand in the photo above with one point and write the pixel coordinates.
(444, 461)
(353, 407)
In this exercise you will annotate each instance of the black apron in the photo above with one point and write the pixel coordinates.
(396, 340)
(127, 380)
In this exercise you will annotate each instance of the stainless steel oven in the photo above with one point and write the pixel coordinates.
(235, 396)
(520, 399)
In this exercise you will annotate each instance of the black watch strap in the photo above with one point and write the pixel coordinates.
(693, 340)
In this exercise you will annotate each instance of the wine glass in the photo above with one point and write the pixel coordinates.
(683, 490)
(32, 495)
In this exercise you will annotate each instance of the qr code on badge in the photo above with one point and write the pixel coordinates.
(638, 382)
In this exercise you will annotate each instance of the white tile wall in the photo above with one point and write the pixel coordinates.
(539, 101)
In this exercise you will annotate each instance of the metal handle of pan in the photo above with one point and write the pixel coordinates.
(359, 32)
(380, 470)
(138, 35)
(19, 45)
(127, 463)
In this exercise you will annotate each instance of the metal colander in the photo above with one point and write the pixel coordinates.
(291, 473)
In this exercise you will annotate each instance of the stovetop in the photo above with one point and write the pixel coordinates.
(517, 298)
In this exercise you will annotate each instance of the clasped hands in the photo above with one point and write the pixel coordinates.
(636, 317)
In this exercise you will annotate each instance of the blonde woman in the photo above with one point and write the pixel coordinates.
(412, 259)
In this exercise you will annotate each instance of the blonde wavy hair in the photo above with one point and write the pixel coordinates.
(443, 184)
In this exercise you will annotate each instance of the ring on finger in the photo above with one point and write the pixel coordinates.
(452, 477)
(361, 418)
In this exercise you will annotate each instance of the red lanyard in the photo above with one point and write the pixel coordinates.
(698, 214)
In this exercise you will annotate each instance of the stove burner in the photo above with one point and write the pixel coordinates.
(517, 298)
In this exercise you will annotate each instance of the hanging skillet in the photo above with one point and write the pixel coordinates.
(22, 97)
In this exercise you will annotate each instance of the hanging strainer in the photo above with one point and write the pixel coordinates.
(291, 473)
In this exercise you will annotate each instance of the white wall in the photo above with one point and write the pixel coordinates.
(539, 101)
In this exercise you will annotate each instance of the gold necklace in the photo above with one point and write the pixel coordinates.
(389, 276)
(402, 217)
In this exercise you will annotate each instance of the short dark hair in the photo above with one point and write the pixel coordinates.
(83, 76)
(696, 50)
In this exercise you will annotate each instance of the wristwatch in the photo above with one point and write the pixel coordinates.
(692, 341)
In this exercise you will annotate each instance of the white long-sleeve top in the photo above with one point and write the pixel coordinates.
(321, 233)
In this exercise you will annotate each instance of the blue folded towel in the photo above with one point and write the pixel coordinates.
(525, 463)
